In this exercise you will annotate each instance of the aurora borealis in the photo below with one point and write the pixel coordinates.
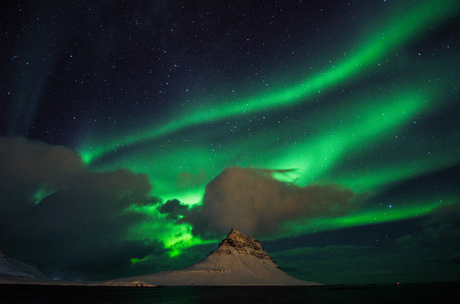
(136, 134)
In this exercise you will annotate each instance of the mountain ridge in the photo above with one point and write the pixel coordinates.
(12, 268)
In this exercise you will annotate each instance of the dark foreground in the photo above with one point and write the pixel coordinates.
(402, 293)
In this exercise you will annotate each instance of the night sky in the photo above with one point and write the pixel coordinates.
(135, 135)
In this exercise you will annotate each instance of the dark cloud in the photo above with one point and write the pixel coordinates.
(254, 202)
(97, 263)
(33, 165)
(334, 264)
(409, 261)
(174, 209)
(438, 236)
(445, 214)
(58, 215)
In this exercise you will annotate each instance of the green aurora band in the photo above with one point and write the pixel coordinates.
(396, 33)
(366, 121)
(362, 218)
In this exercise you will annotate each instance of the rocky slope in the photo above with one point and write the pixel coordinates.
(239, 243)
(11, 268)
(238, 260)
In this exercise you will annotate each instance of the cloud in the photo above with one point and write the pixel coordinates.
(31, 165)
(254, 202)
(173, 209)
(334, 264)
(440, 230)
(57, 214)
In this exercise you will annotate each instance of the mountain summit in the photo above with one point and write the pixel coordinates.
(238, 260)
(238, 243)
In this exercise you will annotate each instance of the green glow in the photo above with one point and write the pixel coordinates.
(41, 194)
(286, 177)
(185, 240)
(368, 217)
(136, 260)
(190, 197)
(175, 237)
(384, 40)
(381, 177)
(379, 116)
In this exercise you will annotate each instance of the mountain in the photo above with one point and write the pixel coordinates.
(11, 269)
(238, 260)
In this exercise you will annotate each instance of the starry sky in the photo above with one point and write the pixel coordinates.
(135, 134)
